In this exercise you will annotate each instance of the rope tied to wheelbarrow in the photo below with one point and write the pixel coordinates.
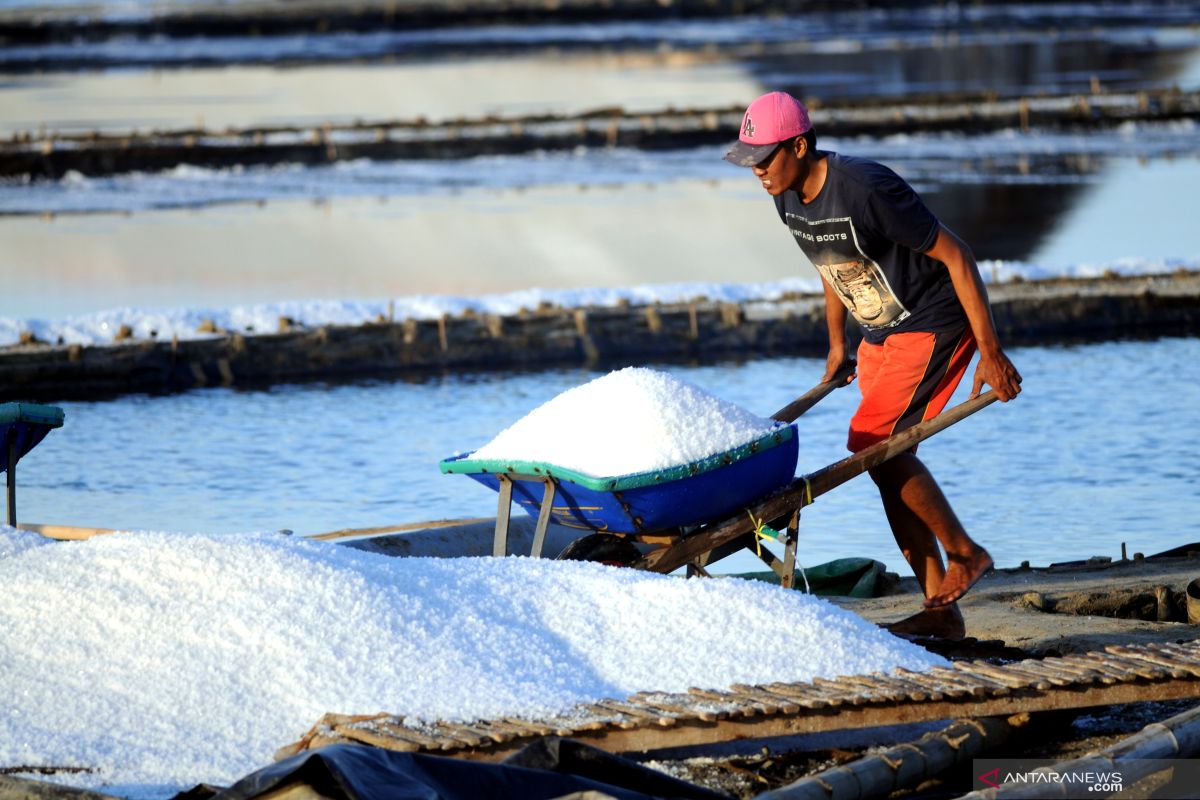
(761, 531)
(764, 531)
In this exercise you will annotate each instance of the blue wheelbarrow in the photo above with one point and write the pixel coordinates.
(694, 514)
(22, 428)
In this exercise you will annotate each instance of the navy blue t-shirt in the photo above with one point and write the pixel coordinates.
(866, 232)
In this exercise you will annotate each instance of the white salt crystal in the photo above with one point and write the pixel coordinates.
(628, 421)
(161, 661)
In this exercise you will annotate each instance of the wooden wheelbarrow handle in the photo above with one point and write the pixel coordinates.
(802, 491)
(804, 402)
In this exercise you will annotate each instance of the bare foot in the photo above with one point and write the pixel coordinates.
(945, 622)
(961, 575)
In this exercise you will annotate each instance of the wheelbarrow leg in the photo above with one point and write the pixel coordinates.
(503, 510)
(11, 478)
(788, 578)
(543, 522)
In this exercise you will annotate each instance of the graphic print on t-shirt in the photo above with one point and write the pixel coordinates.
(832, 246)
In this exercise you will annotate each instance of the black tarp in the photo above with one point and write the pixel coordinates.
(547, 769)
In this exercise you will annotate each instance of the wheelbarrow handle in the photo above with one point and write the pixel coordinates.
(823, 480)
(804, 490)
(804, 402)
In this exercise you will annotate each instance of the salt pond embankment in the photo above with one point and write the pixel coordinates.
(1026, 312)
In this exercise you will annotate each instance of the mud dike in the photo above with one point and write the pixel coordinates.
(1026, 312)
(47, 155)
(265, 18)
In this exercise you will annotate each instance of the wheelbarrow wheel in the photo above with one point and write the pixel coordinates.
(605, 548)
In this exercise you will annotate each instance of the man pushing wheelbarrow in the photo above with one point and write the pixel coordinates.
(914, 289)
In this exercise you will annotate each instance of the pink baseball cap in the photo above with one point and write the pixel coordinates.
(771, 119)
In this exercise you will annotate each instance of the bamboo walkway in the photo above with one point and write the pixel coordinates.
(654, 720)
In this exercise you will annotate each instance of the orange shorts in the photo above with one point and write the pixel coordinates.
(907, 379)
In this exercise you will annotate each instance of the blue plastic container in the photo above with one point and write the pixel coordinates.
(691, 494)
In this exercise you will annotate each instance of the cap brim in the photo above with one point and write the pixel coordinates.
(747, 155)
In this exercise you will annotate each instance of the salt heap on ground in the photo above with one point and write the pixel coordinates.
(628, 421)
(164, 660)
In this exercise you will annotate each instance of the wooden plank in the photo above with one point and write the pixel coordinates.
(738, 707)
(1175, 668)
(1087, 674)
(1003, 681)
(65, 532)
(678, 709)
(783, 704)
(633, 710)
(1038, 672)
(807, 695)
(840, 689)
(531, 728)
(372, 736)
(1095, 661)
(1138, 668)
(346, 533)
(418, 740)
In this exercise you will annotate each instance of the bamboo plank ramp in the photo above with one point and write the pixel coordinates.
(654, 720)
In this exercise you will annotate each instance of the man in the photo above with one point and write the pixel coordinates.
(915, 290)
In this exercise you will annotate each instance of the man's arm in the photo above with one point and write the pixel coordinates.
(835, 320)
(994, 367)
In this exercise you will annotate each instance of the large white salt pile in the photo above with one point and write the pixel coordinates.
(628, 421)
(161, 661)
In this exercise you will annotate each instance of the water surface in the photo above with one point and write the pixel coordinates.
(1098, 450)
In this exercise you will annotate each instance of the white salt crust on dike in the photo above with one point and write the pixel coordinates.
(165, 660)
(628, 421)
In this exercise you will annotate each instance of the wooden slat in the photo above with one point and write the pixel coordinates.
(740, 708)
(954, 684)
(454, 736)
(900, 687)
(785, 704)
(1174, 668)
(806, 695)
(609, 716)
(1085, 673)
(402, 733)
(680, 710)
(937, 687)
(372, 736)
(982, 672)
(867, 689)
(528, 727)
(346, 533)
(1138, 668)
(1037, 672)
(1184, 652)
(633, 710)
(848, 693)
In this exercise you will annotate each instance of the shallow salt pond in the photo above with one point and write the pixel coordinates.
(1098, 450)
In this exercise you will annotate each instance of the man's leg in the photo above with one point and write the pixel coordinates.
(920, 518)
(908, 378)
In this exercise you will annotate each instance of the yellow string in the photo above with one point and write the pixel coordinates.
(759, 533)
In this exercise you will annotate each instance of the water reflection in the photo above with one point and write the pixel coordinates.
(1049, 64)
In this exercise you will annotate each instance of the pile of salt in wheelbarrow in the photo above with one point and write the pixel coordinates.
(689, 512)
